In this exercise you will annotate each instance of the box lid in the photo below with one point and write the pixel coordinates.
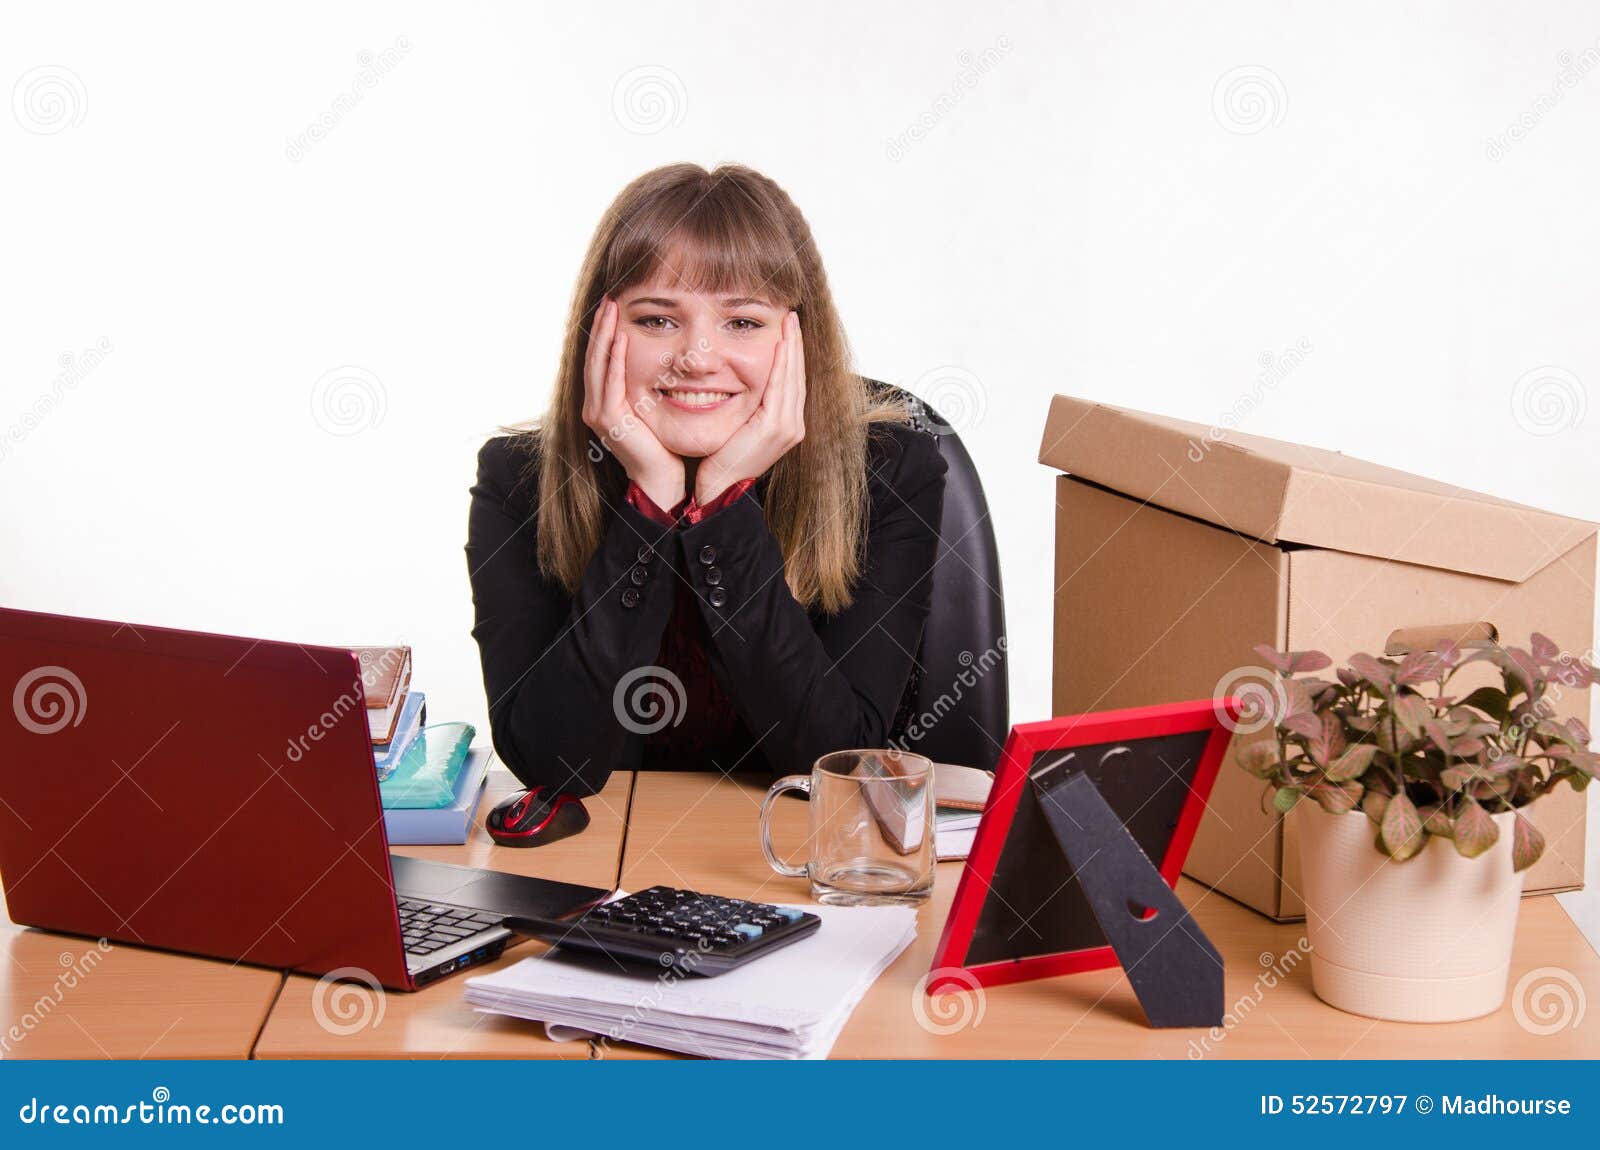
(1282, 492)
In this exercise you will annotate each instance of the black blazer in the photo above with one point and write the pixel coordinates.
(805, 683)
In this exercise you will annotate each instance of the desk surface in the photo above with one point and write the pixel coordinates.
(308, 1021)
(67, 997)
(699, 832)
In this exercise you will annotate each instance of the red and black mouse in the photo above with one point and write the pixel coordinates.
(532, 819)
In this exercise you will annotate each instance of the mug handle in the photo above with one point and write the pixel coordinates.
(787, 783)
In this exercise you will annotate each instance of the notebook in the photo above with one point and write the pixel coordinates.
(385, 677)
(791, 1003)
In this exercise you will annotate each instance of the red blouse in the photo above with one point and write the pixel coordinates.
(709, 717)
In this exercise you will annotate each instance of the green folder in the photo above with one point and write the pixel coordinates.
(426, 776)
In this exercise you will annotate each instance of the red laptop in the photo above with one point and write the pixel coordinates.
(216, 795)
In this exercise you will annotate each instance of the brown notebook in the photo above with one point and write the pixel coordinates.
(385, 677)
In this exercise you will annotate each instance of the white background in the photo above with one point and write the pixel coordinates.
(1084, 208)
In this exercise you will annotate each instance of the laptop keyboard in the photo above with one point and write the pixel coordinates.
(426, 927)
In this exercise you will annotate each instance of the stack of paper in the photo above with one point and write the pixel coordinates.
(957, 829)
(791, 1003)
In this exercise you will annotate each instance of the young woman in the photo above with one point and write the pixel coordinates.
(714, 551)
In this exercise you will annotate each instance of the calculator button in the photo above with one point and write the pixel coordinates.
(747, 930)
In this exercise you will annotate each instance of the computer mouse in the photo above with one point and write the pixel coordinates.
(532, 818)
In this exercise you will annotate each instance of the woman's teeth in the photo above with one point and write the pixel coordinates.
(697, 398)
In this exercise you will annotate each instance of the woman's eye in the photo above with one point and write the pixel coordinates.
(750, 324)
(653, 322)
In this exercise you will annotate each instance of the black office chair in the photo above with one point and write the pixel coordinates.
(955, 708)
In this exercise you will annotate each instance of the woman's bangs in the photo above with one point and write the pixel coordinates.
(711, 249)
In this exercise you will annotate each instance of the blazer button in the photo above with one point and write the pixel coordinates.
(713, 575)
(708, 555)
(718, 596)
(639, 575)
(646, 553)
(630, 596)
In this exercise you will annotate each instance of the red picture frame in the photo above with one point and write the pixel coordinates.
(950, 969)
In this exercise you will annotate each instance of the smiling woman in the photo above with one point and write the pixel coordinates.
(715, 547)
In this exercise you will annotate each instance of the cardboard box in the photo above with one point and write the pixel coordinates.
(1179, 548)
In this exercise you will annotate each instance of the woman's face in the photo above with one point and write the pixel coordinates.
(697, 364)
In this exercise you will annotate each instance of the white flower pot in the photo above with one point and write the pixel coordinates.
(1425, 940)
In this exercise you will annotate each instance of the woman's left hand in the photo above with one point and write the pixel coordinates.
(775, 427)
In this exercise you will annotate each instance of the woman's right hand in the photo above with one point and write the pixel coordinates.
(607, 413)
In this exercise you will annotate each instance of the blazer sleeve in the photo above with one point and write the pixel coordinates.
(552, 662)
(804, 689)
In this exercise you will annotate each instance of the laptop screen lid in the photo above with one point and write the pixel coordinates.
(193, 792)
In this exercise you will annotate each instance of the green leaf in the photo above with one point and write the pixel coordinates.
(1419, 667)
(1301, 662)
(1260, 758)
(1374, 671)
(1527, 844)
(1456, 778)
(1337, 798)
(1305, 724)
(1491, 701)
(1285, 798)
(1373, 805)
(1436, 822)
(1353, 763)
(1402, 828)
(1329, 742)
(1475, 831)
(1411, 711)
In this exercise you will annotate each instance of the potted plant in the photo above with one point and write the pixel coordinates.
(1409, 801)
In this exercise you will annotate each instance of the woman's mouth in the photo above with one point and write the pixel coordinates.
(688, 399)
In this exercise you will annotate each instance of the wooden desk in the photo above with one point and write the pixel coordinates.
(69, 997)
(699, 831)
(436, 1022)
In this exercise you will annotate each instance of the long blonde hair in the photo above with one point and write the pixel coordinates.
(737, 230)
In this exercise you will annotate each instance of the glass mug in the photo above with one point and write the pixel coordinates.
(872, 827)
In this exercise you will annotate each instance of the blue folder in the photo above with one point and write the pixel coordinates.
(387, 758)
(444, 825)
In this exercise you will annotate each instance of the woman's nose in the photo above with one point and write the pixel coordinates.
(697, 354)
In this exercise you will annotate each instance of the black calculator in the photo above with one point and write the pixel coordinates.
(665, 928)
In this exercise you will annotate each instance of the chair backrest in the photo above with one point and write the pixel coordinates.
(955, 708)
